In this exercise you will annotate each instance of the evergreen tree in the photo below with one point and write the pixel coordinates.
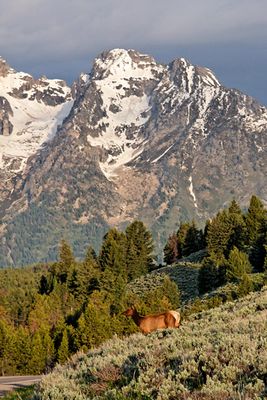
(211, 275)
(89, 273)
(237, 228)
(206, 230)
(7, 365)
(66, 256)
(49, 349)
(257, 253)
(113, 253)
(44, 287)
(171, 251)
(139, 250)
(22, 351)
(73, 283)
(226, 231)
(37, 361)
(255, 219)
(245, 285)
(265, 259)
(256, 224)
(62, 269)
(112, 260)
(85, 276)
(94, 325)
(90, 256)
(63, 350)
(237, 265)
(218, 235)
(181, 237)
(193, 241)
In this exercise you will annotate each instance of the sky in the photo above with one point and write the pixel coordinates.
(61, 38)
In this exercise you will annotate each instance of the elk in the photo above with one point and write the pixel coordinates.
(149, 323)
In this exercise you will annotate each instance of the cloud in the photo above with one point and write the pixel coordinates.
(54, 35)
(61, 27)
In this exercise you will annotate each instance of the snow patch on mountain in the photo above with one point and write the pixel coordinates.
(124, 105)
(191, 191)
(163, 154)
(122, 63)
(34, 122)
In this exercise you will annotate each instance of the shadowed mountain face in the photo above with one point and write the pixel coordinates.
(142, 141)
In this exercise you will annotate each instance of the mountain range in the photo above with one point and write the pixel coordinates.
(131, 139)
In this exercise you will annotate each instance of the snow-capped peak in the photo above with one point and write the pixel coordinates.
(125, 64)
(30, 112)
(121, 78)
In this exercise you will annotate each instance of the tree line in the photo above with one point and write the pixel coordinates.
(235, 241)
(50, 311)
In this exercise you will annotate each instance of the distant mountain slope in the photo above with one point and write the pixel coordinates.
(30, 112)
(143, 140)
(218, 354)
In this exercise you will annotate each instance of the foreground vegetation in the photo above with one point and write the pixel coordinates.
(49, 312)
(20, 394)
(220, 353)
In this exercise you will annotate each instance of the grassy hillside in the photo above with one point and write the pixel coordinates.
(184, 274)
(217, 354)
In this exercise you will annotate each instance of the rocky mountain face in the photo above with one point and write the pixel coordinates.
(142, 140)
(30, 112)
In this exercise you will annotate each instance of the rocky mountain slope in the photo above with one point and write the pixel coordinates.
(161, 143)
(30, 112)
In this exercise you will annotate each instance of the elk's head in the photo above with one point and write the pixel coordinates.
(130, 311)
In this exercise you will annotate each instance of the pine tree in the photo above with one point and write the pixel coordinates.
(62, 269)
(37, 362)
(91, 256)
(63, 350)
(218, 235)
(226, 231)
(171, 251)
(256, 224)
(113, 253)
(181, 237)
(139, 250)
(44, 287)
(7, 336)
(49, 349)
(66, 257)
(22, 351)
(265, 258)
(94, 325)
(245, 285)
(255, 218)
(237, 265)
(112, 260)
(258, 249)
(66, 261)
(237, 228)
(73, 283)
(193, 241)
(89, 273)
(211, 275)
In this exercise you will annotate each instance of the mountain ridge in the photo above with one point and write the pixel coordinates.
(143, 140)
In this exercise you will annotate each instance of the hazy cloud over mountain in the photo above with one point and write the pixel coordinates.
(61, 37)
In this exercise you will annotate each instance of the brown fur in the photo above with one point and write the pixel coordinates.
(149, 323)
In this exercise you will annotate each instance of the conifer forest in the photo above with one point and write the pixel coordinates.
(50, 311)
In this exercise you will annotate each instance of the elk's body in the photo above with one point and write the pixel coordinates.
(149, 323)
